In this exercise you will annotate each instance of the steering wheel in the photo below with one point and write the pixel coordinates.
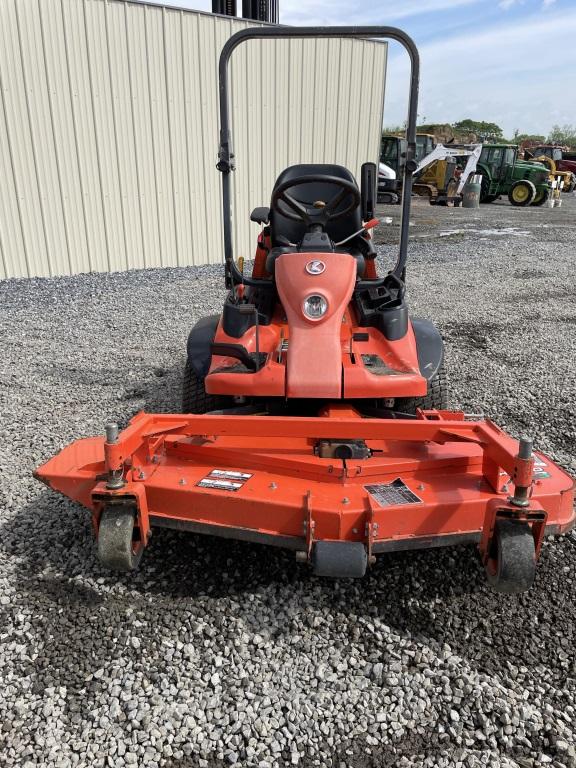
(319, 212)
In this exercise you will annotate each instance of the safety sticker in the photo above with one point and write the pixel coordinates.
(228, 474)
(224, 480)
(540, 473)
(393, 494)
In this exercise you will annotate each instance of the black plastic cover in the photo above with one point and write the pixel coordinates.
(260, 215)
(384, 309)
(368, 181)
(199, 343)
(430, 347)
(235, 322)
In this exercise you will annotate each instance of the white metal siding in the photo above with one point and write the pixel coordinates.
(109, 130)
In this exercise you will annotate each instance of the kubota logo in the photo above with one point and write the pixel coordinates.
(315, 267)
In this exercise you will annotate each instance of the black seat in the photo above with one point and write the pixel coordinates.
(283, 230)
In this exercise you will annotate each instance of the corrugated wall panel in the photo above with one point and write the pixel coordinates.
(85, 150)
(109, 130)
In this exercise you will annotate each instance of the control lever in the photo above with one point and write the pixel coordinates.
(250, 309)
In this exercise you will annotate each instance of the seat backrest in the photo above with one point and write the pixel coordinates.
(309, 193)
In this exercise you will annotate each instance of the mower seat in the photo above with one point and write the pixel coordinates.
(283, 229)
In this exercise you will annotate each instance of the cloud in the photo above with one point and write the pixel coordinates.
(506, 4)
(325, 12)
(548, 3)
(504, 75)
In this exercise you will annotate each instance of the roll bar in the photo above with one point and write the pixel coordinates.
(226, 156)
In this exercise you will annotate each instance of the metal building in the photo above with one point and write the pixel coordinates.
(109, 130)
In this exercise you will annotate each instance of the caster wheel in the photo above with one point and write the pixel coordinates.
(511, 564)
(116, 546)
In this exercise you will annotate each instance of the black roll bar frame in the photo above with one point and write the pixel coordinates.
(226, 162)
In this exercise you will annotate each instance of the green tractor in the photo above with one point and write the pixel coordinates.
(503, 174)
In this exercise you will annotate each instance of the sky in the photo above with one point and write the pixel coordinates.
(511, 62)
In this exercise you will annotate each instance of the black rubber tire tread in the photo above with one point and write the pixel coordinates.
(529, 199)
(512, 565)
(195, 399)
(538, 201)
(115, 534)
(484, 196)
(435, 399)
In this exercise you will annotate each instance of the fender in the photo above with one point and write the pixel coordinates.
(430, 347)
(198, 345)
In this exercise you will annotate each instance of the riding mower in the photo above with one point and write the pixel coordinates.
(315, 409)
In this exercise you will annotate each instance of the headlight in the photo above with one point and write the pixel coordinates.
(315, 306)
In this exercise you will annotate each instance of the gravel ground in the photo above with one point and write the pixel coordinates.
(222, 653)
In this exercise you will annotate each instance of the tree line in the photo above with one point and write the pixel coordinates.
(564, 135)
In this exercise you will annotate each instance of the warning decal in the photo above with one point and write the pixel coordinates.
(392, 494)
(539, 471)
(224, 480)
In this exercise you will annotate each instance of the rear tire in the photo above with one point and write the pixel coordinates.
(435, 399)
(116, 548)
(522, 193)
(195, 399)
(511, 565)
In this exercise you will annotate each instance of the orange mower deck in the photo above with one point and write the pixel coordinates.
(431, 481)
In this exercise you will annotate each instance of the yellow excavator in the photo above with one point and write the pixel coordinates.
(441, 174)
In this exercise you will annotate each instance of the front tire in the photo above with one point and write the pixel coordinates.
(485, 196)
(541, 197)
(522, 193)
(511, 564)
(435, 399)
(195, 399)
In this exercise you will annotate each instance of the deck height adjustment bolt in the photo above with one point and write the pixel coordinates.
(112, 432)
(522, 492)
(525, 449)
(115, 479)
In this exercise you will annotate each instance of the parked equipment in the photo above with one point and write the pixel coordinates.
(327, 431)
(442, 174)
(393, 152)
(564, 162)
(564, 179)
(387, 183)
(525, 183)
